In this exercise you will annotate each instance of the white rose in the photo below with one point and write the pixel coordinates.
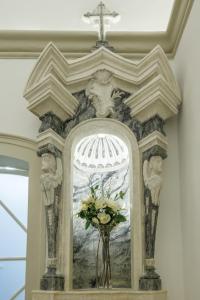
(84, 206)
(113, 205)
(95, 220)
(88, 200)
(101, 203)
(104, 218)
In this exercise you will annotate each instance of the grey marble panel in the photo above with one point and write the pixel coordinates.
(85, 241)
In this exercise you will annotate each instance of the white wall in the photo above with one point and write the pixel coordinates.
(187, 66)
(169, 259)
(14, 117)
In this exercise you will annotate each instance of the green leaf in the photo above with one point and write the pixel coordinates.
(119, 218)
(82, 214)
(87, 224)
(121, 194)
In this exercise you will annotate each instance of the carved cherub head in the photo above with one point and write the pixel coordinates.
(156, 165)
(48, 163)
(103, 76)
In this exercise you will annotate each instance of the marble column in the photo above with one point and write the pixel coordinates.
(152, 177)
(51, 185)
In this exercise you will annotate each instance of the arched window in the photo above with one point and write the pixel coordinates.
(13, 226)
(20, 208)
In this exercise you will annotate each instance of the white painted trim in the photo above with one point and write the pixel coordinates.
(12, 258)
(29, 44)
(25, 149)
(117, 128)
(17, 293)
(121, 294)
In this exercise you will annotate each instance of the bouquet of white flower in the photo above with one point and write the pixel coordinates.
(101, 209)
(102, 212)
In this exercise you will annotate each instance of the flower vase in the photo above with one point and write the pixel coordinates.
(103, 267)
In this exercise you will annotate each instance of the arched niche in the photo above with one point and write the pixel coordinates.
(142, 95)
(118, 129)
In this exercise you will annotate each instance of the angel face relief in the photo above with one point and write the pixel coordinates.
(99, 91)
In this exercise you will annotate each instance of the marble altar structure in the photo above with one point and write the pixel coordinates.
(101, 93)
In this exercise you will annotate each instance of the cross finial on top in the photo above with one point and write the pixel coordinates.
(99, 16)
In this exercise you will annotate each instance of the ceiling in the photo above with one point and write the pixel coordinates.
(136, 15)
(26, 27)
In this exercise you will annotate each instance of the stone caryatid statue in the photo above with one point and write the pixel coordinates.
(51, 180)
(152, 174)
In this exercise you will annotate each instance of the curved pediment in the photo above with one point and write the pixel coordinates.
(75, 75)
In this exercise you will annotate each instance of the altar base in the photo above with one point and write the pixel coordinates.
(100, 295)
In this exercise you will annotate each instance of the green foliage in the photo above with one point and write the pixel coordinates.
(100, 209)
(87, 224)
(120, 218)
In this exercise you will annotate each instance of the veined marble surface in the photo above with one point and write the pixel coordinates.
(85, 241)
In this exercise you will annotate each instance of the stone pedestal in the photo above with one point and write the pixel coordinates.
(103, 294)
(52, 281)
(150, 281)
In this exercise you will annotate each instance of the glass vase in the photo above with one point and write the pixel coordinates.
(103, 266)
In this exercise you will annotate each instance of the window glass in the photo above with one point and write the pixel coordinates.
(12, 278)
(14, 194)
(13, 238)
(13, 223)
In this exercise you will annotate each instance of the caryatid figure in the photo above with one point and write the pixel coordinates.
(152, 174)
(51, 180)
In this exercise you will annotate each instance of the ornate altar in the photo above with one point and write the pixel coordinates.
(106, 97)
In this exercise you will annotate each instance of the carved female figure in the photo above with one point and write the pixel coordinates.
(51, 180)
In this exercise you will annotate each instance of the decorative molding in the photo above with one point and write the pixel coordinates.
(17, 140)
(74, 74)
(153, 139)
(150, 82)
(29, 44)
(154, 98)
(50, 95)
(120, 294)
(49, 136)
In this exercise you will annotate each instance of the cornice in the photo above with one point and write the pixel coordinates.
(72, 73)
(54, 78)
(52, 91)
(153, 139)
(29, 44)
(50, 137)
(18, 141)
